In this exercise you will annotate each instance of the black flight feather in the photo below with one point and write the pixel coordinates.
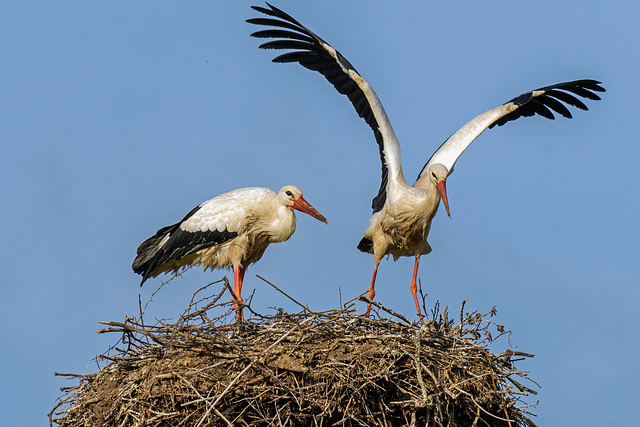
(551, 100)
(152, 254)
(308, 50)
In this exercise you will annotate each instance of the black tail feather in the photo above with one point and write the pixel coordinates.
(147, 255)
(366, 245)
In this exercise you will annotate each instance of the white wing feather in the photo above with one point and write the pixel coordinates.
(227, 211)
(455, 145)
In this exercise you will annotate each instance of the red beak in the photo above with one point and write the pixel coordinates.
(302, 205)
(442, 188)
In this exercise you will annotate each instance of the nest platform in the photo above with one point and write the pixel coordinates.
(330, 368)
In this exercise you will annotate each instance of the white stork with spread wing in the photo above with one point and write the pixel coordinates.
(402, 213)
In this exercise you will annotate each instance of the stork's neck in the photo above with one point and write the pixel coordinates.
(283, 226)
(426, 183)
(432, 195)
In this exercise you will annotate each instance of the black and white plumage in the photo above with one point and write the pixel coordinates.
(231, 230)
(402, 214)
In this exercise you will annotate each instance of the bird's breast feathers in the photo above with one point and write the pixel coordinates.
(283, 226)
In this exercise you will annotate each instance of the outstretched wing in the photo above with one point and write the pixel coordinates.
(310, 51)
(544, 102)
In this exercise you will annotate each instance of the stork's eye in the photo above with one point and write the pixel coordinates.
(289, 193)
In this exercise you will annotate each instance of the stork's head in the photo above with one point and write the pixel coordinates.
(291, 197)
(438, 175)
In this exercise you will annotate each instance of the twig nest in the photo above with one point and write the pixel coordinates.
(308, 368)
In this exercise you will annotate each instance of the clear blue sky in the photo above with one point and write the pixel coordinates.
(117, 118)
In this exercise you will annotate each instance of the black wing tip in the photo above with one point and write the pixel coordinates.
(278, 13)
(260, 9)
(264, 10)
(584, 85)
(591, 84)
(552, 100)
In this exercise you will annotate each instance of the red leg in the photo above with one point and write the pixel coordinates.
(238, 277)
(372, 291)
(414, 287)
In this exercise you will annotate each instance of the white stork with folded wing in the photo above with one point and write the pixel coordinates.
(229, 231)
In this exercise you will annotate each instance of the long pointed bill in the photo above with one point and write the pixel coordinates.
(442, 188)
(302, 205)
